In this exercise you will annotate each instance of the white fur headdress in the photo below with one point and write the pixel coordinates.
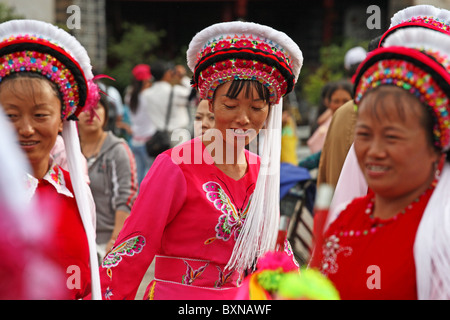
(419, 16)
(244, 50)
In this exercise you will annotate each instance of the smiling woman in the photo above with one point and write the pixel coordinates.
(399, 228)
(34, 108)
(45, 82)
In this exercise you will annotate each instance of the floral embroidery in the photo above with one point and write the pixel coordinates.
(54, 176)
(129, 248)
(232, 219)
(331, 249)
(191, 274)
(108, 294)
(223, 278)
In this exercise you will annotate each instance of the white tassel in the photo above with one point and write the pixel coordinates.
(259, 233)
(85, 201)
(431, 246)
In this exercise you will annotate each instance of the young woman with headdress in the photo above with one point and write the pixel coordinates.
(393, 242)
(46, 81)
(203, 214)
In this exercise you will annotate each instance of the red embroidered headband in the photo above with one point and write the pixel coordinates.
(423, 74)
(244, 51)
(24, 49)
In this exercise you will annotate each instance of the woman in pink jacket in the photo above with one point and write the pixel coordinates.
(209, 208)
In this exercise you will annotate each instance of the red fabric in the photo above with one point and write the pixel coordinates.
(68, 245)
(379, 265)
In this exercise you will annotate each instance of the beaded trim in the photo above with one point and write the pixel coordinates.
(265, 62)
(436, 22)
(47, 65)
(409, 76)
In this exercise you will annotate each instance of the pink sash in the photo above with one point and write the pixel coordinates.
(193, 272)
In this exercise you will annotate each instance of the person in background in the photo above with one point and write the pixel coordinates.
(339, 93)
(204, 119)
(157, 99)
(352, 59)
(289, 139)
(142, 126)
(112, 171)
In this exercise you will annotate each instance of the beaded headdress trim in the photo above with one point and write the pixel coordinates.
(244, 51)
(416, 71)
(50, 61)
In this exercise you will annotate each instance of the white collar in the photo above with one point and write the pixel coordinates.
(54, 176)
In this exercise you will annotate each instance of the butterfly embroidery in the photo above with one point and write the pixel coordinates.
(191, 274)
(129, 248)
(232, 218)
(223, 278)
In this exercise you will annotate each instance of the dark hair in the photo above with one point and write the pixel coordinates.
(237, 86)
(344, 85)
(105, 104)
(159, 68)
(136, 87)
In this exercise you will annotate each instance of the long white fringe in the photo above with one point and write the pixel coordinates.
(84, 199)
(259, 233)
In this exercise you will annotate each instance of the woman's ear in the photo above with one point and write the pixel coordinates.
(60, 128)
(210, 106)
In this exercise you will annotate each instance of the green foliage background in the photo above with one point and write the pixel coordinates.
(331, 68)
(137, 45)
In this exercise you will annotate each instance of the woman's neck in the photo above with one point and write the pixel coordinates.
(41, 168)
(92, 137)
(386, 207)
(92, 142)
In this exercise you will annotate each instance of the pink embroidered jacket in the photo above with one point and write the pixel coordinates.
(187, 217)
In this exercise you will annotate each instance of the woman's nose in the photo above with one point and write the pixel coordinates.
(25, 127)
(377, 149)
(242, 118)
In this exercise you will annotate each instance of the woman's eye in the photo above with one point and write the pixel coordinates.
(362, 134)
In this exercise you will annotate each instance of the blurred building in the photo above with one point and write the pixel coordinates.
(90, 29)
(310, 23)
